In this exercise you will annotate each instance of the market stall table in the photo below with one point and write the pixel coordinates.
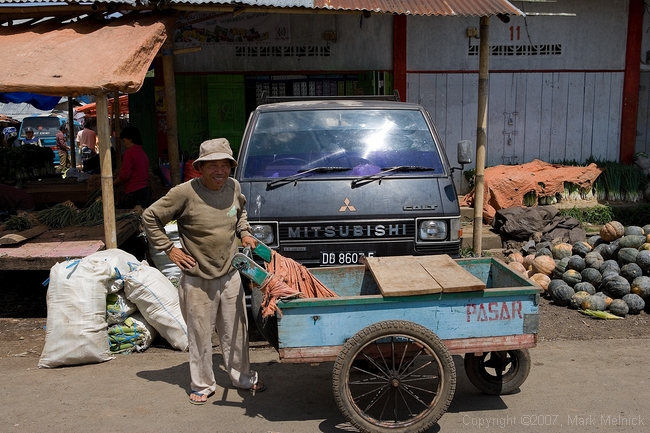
(57, 245)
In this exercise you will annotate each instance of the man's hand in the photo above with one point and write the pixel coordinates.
(249, 241)
(181, 258)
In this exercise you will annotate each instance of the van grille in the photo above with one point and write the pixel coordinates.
(347, 231)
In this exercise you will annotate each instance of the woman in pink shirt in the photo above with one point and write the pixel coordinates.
(134, 174)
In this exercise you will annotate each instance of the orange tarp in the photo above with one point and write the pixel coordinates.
(90, 110)
(506, 185)
(88, 56)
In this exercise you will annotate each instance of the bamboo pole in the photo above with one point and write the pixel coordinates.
(117, 128)
(105, 162)
(481, 135)
(170, 107)
(71, 134)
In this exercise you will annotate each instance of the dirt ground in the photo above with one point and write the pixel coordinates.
(23, 314)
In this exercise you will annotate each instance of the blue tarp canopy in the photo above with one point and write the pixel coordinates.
(41, 102)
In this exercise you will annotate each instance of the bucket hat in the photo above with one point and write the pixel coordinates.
(215, 149)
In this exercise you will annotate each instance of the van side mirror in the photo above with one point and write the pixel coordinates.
(464, 152)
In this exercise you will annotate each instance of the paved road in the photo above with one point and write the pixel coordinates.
(573, 386)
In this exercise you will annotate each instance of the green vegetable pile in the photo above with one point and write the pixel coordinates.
(25, 162)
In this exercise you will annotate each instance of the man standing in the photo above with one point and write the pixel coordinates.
(62, 147)
(87, 142)
(210, 215)
(29, 137)
(134, 174)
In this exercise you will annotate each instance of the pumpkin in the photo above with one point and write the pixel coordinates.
(543, 264)
(633, 230)
(561, 250)
(594, 241)
(561, 295)
(643, 260)
(603, 250)
(577, 298)
(555, 284)
(619, 307)
(616, 286)
(515, 257)
(594, 260)
(631, 241)
(581, 248)
(591, 276)
(543, 244)
(542, 280)
(561, 267)
(528, 260)
(576, 263)
(572, 277)
(610, 265)
(517, 267)
(631, 271)
(646, 229)
(641, 286)
(645, 246)
(627, 255)
(544, 252)
(608, 299)
(596, 303)
(634, 302)
(584, 286)
(612, 230)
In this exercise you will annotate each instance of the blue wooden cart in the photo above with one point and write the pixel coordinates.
(391, 349)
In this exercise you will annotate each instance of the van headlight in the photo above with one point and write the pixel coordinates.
(264, 233)
(432, 230)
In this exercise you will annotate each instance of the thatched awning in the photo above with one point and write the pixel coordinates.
(88, 56)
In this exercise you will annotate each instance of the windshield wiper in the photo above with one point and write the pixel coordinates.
(387, 172)
(302, 173)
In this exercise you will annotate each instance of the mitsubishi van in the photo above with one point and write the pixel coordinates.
(329, 182)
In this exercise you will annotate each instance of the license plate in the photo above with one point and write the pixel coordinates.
(333, 258)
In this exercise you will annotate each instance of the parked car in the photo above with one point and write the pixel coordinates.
(329, 182)
(45, 128)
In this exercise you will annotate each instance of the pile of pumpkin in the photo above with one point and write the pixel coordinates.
(607, 272)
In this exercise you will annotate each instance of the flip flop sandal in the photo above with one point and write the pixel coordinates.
(197, 402)
(258, 387)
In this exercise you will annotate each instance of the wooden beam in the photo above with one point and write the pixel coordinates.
(170, 106)
(399, 55)
(481, 133)
(105, 162)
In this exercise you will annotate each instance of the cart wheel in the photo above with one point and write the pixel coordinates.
(498, 373)
(394, 376)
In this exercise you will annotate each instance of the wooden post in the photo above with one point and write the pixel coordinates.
(117, 128)
(71, 134)
(105, 162)
(481, 134)
(170, 106)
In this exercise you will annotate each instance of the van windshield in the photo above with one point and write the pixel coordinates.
(363, 141)
(42, 126)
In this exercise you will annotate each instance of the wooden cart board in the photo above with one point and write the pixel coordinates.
(422, 275)
(401, 276)
(450, 275)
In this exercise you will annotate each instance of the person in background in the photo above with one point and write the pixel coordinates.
(10, 134)
(87, 142)
(62, 147)
(211, 215)
(29, 136)
(134, 174)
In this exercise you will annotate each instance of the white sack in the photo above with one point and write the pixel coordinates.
(76, 314)
(120, 262)
(160, 259)
(157, 300)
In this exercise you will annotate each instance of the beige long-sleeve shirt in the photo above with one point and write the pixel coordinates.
(209, 223)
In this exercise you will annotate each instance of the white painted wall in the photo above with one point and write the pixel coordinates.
(362, 44)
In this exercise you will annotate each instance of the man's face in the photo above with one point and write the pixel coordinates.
(215, 173)
(29, 134)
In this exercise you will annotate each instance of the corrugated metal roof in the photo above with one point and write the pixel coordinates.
(407, 7)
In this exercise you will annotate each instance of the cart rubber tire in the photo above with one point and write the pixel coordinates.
(498, 373)
(412, 374)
